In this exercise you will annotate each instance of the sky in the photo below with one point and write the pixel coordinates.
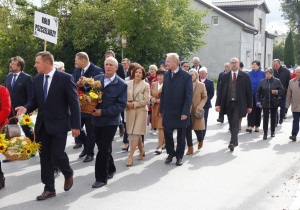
(274, 21)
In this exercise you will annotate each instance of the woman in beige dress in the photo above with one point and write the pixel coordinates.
(138, 96)
(199, 100)
(156, 89)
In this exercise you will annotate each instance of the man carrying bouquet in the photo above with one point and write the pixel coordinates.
(106, 119)
(55, 96)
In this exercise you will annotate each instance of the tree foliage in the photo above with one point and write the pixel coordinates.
(153, 28)
(291, 12)
(289, 51)
(278, 51)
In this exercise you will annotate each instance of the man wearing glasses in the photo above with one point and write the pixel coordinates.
(185, 65)
(234, 98)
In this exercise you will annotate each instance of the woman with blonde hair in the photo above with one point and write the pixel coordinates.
(138, 96)
(196, 124)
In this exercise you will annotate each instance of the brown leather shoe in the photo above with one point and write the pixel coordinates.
(68, 183)
(190, 150)
(200, 144)
(77, 146)
(45, 195)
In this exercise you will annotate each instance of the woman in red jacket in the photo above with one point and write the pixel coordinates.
(4, 112)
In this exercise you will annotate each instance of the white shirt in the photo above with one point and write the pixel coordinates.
(175, 71)
(108, 80)
(203, 80)
(86, 68)
(237, 72)
(159, 86)
(12, 79)
(51, 73)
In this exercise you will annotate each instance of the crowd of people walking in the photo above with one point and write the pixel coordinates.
(171, 97)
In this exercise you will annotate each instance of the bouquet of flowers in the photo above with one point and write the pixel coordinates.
(89, 100)
(19, 148)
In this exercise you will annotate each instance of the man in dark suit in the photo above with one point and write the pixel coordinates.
(175, 104)
(126, 64)
(120, 72)
(107, 118)
(55, 96)
(234, 98)
(87, 69)
(226, 69)
(196, 64)
(19, 85)
(210, 89)
(284, 76)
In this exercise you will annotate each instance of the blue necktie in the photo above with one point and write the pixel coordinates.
(299, 82)
(13, 82)
(46, 87)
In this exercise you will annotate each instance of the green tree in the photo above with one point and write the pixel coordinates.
(278, 51)
(289, 51)
(157, 27)
(291, 12)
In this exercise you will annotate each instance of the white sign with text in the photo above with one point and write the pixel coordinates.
(45, 27)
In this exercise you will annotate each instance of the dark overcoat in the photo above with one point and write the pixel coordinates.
(243, 92)
(176, 99)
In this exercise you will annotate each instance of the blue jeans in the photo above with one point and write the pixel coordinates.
(295, 130)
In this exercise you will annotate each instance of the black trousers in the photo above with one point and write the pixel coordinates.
(205, 119)
(266, 112)
(170, 141)
(233, 119)
(254, 118)
(104, 160)
(189, 138)
(53, 146)
(88, 137)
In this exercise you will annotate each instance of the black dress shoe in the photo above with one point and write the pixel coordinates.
(169, 159)
(280, 121)
(98, 184)
(265, 136)
(88, 158)
(293, 137)
(272, 134)
(32, 155)
(231, 147)
(5, 161)
(82, 154)
(56, 174)
(125, 148)
(219, 120)
(249, 130)
(110, 175)
(179, 162)
(45, 195)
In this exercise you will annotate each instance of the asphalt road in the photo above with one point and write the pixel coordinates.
(259, 174)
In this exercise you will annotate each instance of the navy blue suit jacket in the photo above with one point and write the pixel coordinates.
(176, 99)
(210, 89)
(22, 91)
(92, 71)
(61, 111)
(114, 101)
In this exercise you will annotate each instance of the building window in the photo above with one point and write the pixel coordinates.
(260, 25)
(248, 64)
(215, 20)
(259, 56)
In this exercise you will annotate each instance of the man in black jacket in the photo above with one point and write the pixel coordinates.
(226, 69)
(87, 69)
(284, 76)
(234, 98)
(19, 85)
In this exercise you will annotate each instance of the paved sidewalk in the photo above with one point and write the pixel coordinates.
(257, 175)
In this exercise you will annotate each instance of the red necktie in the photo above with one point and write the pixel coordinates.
(234, 77)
